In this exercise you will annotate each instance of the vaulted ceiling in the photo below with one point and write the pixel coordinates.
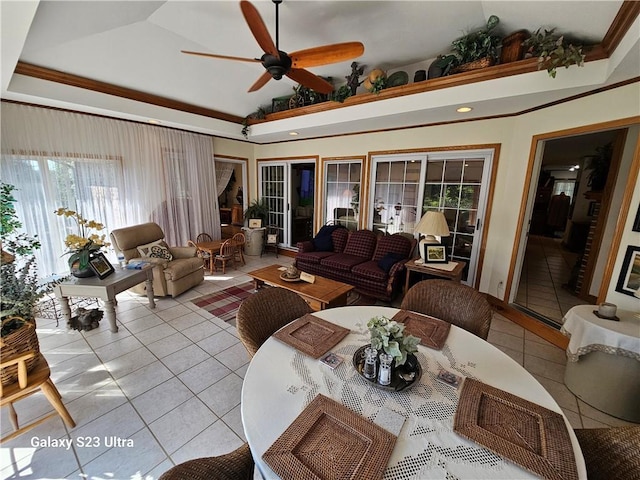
(123, 59)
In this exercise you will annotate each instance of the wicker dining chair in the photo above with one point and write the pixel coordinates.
(225, 255)
(452, 302)
(264, 312)
(204, 237)
(237, 465)
(205, 256)
(238, 243)
(611, 452)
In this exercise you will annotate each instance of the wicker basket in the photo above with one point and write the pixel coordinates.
(20, 341)
(475, 65)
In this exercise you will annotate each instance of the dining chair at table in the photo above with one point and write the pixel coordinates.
(225, 255)
(204, 237)
(27, 383)
(238, 241)
(205, 256)
(611, 452)
(452, 302)
(266, 311)
(236, 465)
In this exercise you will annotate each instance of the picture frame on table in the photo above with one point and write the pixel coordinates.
(435, 253)
(629, 279)
(255, 223)
(100, 265)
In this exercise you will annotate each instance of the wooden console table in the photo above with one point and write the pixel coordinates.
(105, 289)
(453, 272)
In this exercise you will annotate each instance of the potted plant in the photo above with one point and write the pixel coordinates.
(553, 51)
(388, 336)
(477, 49)
(599, 166)
(259, 208)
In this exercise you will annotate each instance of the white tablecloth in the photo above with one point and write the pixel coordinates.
(589, 333)
(280, 382)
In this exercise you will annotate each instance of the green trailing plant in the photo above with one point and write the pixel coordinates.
(479, 44)
(259, 208)
(553, 51)
(379, 84)
(388, 336)
(259, 114)
(341, 94)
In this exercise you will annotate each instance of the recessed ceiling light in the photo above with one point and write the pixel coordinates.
(154, 122)
(293, 134)
(464, 109)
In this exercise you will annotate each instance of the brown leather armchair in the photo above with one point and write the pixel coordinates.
(170, 276)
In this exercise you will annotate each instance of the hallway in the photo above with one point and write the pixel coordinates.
(547, 266)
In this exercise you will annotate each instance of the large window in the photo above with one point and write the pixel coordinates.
(90, 186)
(342, 193)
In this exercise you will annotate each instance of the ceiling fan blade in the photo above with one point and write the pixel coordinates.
(261, 82)
(310, 80)
(224, 57)
(258, 28)
(338, 52)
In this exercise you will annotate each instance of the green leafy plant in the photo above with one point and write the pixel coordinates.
(259, 208)
(388, 335)
(479, 44)
(379, 84)
(259, 114)
(341, 94)
(553, 51)
(11, 240)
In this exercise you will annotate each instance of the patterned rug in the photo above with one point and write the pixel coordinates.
(224, 304)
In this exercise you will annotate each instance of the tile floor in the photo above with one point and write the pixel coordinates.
(546, 268)
(170, 381)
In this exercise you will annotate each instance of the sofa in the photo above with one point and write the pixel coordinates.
(372, 263)
(176, 269)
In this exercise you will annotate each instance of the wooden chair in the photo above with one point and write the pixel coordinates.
(204, 237)
(225, 255)
(26, 384)
(205, 256)
(238, 243)
(452, 302)
(264, 312)
(271, 239)
(611, 452)
(237, 465)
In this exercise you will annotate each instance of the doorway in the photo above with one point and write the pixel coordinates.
(231, 176)
(568, 212)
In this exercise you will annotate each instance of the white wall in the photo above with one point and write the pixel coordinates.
(514, 134)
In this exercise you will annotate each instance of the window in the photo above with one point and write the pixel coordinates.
(342, 193)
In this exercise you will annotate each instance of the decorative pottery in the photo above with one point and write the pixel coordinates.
(76, 271)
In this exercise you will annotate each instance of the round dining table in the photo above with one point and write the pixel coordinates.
(281, 381)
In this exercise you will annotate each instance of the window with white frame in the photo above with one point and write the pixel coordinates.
(342, 193)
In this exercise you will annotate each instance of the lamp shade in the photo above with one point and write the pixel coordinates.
(432, 224)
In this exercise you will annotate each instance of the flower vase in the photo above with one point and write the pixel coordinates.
(76, 271)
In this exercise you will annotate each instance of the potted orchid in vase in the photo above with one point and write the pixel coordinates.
(82, 246)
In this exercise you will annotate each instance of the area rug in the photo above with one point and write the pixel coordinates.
(224, 304)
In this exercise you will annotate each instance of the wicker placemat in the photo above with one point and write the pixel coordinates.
(329, 441)
(528, 434)
(311, 335)
(431, 331)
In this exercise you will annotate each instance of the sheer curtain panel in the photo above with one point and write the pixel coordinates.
(115, 172)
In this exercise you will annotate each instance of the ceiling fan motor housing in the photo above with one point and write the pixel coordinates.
(277, 67)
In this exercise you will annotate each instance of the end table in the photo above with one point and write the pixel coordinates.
(450, 270)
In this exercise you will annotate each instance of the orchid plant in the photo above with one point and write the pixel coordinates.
(388, 335)
(83, 245)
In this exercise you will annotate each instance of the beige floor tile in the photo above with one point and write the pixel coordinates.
(144, 379)
(140, 324)
(185, 358)
(96, 403)
(203, 375)
(118, 348)
(156, 333)
(161, 399)
(544, 368)
(233, 419)
(217, 439)
(168, 345)
(223, 396)
(218, 342)
(505, 340)
(186, 321)
(514, 354)
(561, 394)
(130, 362)
(499, 324)
(546, 351)
(234, 357)
(201, 331)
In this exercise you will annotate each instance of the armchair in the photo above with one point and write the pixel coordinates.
(172, 274)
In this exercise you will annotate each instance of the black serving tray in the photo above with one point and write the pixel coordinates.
(397, 382)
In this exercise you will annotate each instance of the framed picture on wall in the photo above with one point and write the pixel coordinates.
(629, 279)
(100, 265)
(435, 253)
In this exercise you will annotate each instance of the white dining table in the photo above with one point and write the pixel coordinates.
(281, 381)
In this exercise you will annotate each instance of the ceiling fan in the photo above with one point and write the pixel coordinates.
(278, 63)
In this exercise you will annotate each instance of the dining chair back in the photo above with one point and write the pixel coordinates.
(236, 465)
(205, 256)
(238, 244)
(225, 255)
(38, 378)
(204, 237)
(266, 311)
(452, 302)
(610, 452)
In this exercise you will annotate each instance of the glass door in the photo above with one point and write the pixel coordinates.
(272, 188)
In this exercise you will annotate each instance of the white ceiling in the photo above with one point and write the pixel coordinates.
(136, 44)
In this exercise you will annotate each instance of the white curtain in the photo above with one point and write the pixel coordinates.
(223, 174)
(115, 172)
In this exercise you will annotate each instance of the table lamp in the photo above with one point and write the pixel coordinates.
(432, 224)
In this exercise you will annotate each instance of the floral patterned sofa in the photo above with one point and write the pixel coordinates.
(372, 263)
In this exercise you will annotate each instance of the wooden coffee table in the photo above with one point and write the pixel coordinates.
(320, 295)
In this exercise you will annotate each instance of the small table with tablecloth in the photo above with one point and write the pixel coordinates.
(603, 367)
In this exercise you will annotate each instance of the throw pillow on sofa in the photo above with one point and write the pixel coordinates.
(144, 250)
(159, 251)
(386, 262)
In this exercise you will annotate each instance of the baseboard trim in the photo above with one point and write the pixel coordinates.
(534, 325)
